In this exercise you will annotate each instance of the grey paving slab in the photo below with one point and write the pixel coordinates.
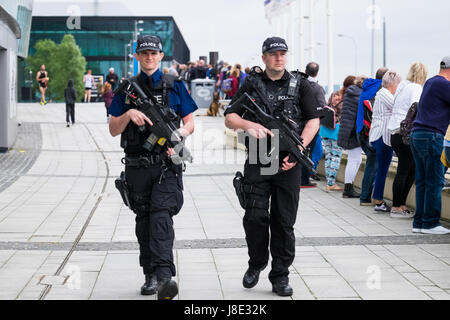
(437, 250)
(344, 250)
(417, 279)
(439, 278)
(18, 271)
(389, 290)
(439, 296)
(120, 278)
(77, 287)
(419, 259)
(329, 287)
(431, 288)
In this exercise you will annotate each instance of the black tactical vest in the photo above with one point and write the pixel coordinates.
(132, 139)
(285, 98)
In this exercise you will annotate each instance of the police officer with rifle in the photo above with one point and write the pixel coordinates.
(146, 112)
(278, 101)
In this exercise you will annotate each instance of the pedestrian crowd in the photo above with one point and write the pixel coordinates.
(380, 118)
(376, 117)
(228, 78)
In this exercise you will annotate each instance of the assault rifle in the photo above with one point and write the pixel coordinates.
(289, 139)
(164, 130)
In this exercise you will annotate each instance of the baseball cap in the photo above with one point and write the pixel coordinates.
(147, 42)
(274, 44)
(445, 63)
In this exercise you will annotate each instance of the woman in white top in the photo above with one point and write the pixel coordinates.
(380, 136)
(88, 80)
(408, 92)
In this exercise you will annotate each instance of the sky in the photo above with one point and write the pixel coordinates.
(417, 30)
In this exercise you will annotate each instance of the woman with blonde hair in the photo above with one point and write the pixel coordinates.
(407, 93)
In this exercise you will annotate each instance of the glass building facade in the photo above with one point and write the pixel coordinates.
(106, 42)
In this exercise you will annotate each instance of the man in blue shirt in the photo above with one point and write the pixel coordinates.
(153, 182)
(427, 143)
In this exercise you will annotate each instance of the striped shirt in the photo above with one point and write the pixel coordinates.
(382, 112)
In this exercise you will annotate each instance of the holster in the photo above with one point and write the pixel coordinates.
(124, 190)
(250, 196)
(238, 183)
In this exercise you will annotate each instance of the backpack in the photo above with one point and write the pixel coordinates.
(407, 124)
(227, 85)
(367, 122)
(368, 111)
(329, 117)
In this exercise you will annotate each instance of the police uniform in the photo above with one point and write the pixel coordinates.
(272, 200)
(155, 182)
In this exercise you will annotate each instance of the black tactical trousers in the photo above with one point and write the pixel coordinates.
(156, 202)
(273, 226)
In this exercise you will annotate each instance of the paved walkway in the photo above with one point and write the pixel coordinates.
(65, 234)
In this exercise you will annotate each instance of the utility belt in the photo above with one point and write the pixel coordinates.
(133, 200)
(141, 201)
(143, 161)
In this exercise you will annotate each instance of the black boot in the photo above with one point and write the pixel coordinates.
(167, 289)
(251, 277)
(282, 288)
(349, 192)
(150, 285)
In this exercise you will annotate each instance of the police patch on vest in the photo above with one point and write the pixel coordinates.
(284, 98)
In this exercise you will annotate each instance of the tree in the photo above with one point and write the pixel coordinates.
(44, 50)
(63, 62)
(69, 63)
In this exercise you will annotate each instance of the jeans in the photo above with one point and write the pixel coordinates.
(427, 148)
(369, 173)
(384, 158)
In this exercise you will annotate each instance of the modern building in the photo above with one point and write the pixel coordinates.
(15, 21)
(105, 32)
(104, 40)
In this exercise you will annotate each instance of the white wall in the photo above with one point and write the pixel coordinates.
(8, 89)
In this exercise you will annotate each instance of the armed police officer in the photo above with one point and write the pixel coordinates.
(153, 180)
(271, 200)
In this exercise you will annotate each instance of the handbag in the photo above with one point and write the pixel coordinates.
(407, 124)
(329, 117)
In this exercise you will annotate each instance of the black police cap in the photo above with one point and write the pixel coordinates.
(274, 44)
(147, 42)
